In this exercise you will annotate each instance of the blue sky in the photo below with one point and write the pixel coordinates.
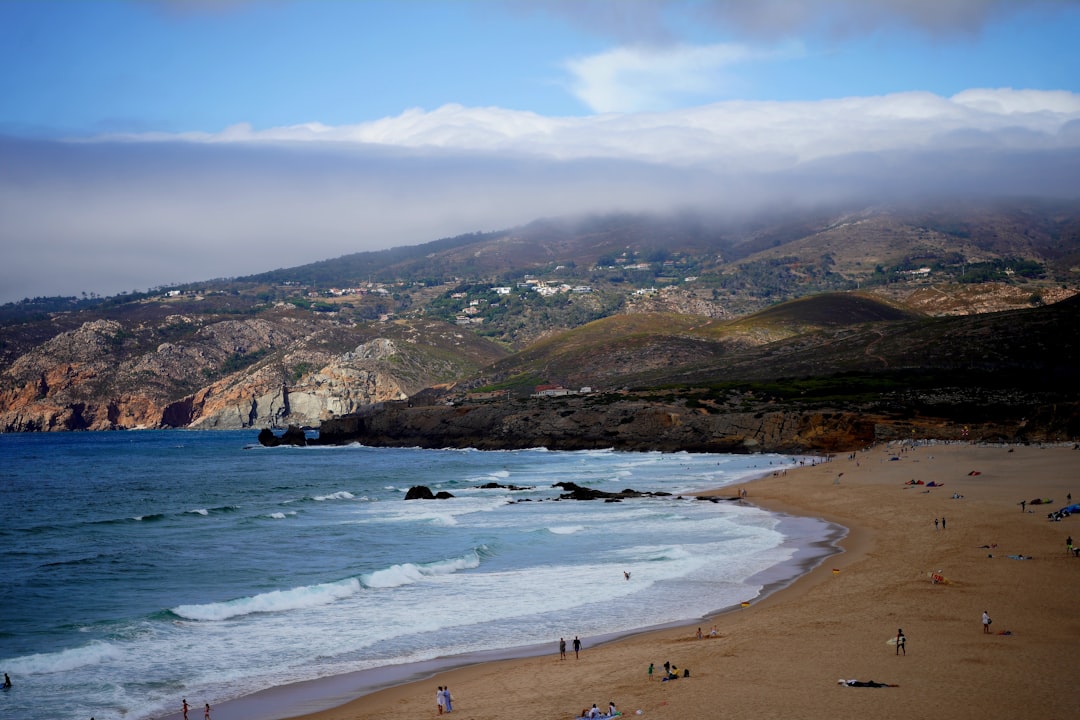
(151, 142)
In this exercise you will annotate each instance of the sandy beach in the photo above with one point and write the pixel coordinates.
(782, 656)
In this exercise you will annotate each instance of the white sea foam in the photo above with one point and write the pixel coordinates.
(341, 495)
(66, 660)
(199, 511)
(539, 569)
(274, 601)
(409, 573)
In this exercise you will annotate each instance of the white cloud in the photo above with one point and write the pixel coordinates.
(121, 213)
(720, 134)
(637, 79)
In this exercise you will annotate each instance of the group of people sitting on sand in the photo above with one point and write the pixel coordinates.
(595, 712)
(672, 673)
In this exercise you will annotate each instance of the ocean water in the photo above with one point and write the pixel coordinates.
(140, 568)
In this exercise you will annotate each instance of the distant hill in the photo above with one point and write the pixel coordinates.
(823, 335)
(627, 302)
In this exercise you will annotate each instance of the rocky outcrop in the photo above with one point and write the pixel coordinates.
(580, 423)
(423, 492)
(292, 436)
(577, 492)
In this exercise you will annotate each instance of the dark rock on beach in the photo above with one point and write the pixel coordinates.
(423, 492)
(577, 492)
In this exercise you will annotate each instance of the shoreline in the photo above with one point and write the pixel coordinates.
(783, 655)
(311, 698)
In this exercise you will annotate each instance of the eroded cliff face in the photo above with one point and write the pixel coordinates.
(579, 424)
(59, 385)
(629, 423)
(344, 384)
(104, 376)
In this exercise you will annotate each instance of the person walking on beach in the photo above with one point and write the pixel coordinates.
(986, 622)
(185, 706)
(440, 700)
(577, 648)
(942, 522)
(562, 648)
(448, 698)
(206, 712)
(1068, 545)
(650, 671)
(935, 523)
(901, 641)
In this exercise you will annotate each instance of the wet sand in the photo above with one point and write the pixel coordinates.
(781, 656)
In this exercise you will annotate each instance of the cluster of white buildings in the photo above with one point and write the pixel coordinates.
(375, 288)
(549, 390)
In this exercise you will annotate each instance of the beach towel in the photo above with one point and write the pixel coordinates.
(863, 683)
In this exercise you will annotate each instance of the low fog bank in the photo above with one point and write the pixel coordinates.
(118, 215)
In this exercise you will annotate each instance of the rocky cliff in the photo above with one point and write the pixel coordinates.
(191, 371)
(634, 423)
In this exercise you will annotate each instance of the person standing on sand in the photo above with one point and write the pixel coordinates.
(577, 648)
(1068, 545)
(986, 622)
(935, 523)
(562, 648)
(901, 641)
(185, 705)
(206, 712)
(942, 522)
(650, 671)
(449, 699)
(440, 700)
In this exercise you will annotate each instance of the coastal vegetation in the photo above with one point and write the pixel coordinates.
(959, 313)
